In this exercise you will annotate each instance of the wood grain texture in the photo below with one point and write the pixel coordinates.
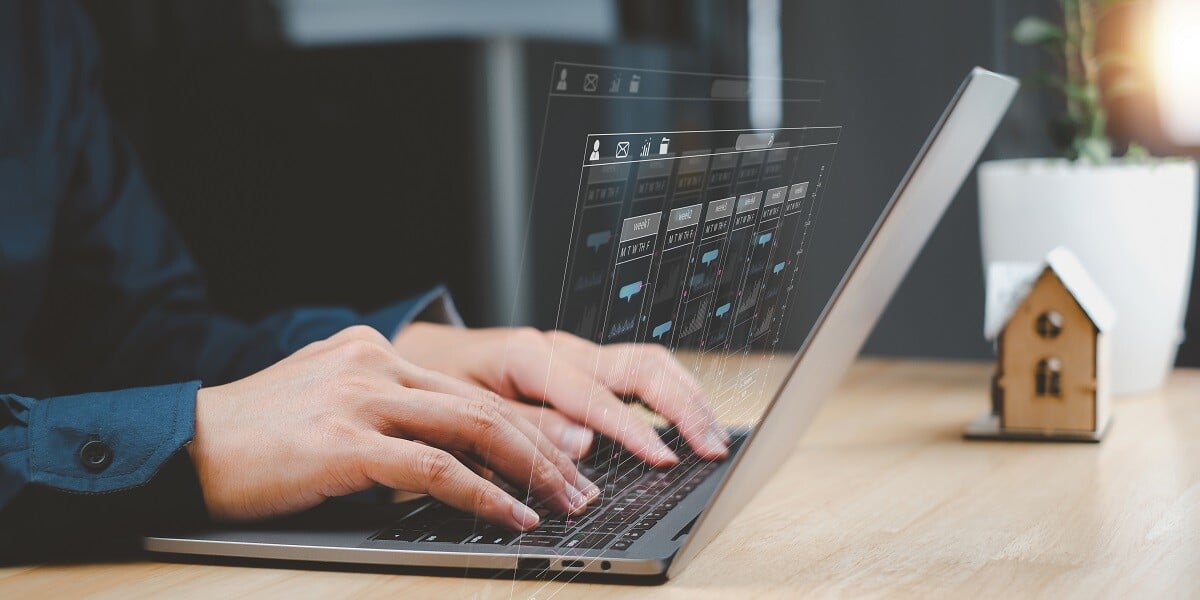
(881, 498)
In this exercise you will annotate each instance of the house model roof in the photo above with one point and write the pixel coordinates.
(1008, 283)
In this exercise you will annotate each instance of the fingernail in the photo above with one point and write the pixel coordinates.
(576, 440)
(586, 486)
(664, 454)
(525, 517)
(714, 443)
(576, 498)
(721, 431)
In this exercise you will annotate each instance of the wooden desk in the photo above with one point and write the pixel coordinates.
(882, 497)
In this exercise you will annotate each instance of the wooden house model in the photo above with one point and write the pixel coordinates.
(1048, 321)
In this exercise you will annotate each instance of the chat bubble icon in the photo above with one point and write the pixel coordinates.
(597, 240)
(627, 292)
(764, 238)
(661, 329)
(710, 256)
(778, 267)
(721, 310)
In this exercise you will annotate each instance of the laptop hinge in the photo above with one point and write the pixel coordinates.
(686, 529)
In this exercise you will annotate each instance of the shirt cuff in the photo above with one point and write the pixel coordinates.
(108, 441)
(435, 306)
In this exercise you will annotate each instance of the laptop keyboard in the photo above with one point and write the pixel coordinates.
(633, 498)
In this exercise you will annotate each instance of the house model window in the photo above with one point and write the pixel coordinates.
(1049, 324)
(1049, 375)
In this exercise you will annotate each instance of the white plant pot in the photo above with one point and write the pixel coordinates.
(1133, 226)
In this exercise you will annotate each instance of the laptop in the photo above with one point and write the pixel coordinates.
(651, 522)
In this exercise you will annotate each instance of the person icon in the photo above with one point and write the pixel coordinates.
(562, 81)
(595, 155)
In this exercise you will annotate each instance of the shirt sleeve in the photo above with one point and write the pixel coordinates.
(91, 469)
(76, 471)
(126, 309)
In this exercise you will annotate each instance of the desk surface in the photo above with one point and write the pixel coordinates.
(882, 496)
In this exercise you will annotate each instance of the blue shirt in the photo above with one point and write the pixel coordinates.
(105, 329)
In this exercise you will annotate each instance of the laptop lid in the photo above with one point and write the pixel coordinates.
(907, 221)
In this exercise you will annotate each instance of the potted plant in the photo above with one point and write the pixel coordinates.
(1130, 220)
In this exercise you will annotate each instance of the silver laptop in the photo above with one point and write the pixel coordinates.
(695, 240)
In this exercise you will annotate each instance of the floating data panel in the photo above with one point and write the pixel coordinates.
(692, 239)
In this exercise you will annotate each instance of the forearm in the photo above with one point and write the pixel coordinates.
(177, 341)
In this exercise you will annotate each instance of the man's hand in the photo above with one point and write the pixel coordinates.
(580, 380)
(349, 412)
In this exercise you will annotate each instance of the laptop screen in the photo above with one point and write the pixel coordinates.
(667, 209)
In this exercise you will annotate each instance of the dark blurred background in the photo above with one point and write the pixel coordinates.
(356, 151)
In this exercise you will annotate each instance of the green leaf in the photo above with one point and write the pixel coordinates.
(1086, 93)
(1136, 153)
(1034, 31)
(1081, 93)
(1039, 79)
(1096, 150)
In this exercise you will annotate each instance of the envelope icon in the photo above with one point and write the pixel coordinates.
(589, 82)
(622, 149)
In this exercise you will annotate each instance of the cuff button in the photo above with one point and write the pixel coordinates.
(95, 455)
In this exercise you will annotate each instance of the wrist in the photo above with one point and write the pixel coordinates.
(198, 448)
(420, 337)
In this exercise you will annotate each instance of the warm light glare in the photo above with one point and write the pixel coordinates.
(1177, 68)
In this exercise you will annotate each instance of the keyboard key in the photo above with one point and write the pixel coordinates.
(539, 541)
(643, 525)
(454, 530)
(642, 505)
(555, 526)
(445, 538)
(633, 534)
(590, 540)
(624, 518)
(498, 537)
(607, 527)
(624, 480)
(622, 544)
(401, 535)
